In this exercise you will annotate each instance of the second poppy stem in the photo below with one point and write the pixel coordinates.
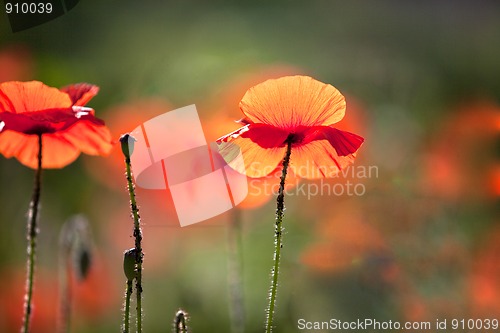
(32, 233)
(278, 233)
(137, 229)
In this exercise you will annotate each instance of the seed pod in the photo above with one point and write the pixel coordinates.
(129, 264)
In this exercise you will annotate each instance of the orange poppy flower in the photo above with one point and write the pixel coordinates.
(296, 109)
(29, 109)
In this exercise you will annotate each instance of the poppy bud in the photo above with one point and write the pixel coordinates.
(75, 244)
(127, 142)
(129, 264)
(180, 321)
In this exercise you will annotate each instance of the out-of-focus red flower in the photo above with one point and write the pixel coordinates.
(348, 241)
(495, 180)
(110, 171)
(484, 285)
(29, 109)
(97, 295)
(16, 63)
(462, 160)
(123, 119)
(44, 302)
(296, 109)
(92, 299)
(158, 235)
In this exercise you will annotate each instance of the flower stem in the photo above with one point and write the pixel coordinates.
(278, 230)
(236, 309)
(138, 238)
(31, 235)
(126, 317)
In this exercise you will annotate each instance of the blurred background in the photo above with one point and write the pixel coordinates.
(420, 243)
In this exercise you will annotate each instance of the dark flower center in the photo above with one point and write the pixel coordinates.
(294, 138)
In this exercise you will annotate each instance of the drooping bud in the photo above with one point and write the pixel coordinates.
(75, 242)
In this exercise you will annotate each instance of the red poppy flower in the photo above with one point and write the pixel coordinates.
(348, 240)
(296, 109)
(29, 109)
(484, 286)
(466, 168)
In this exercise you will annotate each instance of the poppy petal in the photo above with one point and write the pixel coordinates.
(56, 153)
(293, 101)
(266, 136)
(89, 138)
(47, 121)
(345, 143)
(20, 97)
(81, 93)
(318, 159)
(59, 152)
(257, 161)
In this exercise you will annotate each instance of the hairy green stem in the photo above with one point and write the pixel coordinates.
(278, 231)
(31, 235)
(138, 247)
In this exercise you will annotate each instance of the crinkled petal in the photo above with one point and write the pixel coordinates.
(81, 93)
(318, 159)
(345, 143)
(20, 97)
(293, 101)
